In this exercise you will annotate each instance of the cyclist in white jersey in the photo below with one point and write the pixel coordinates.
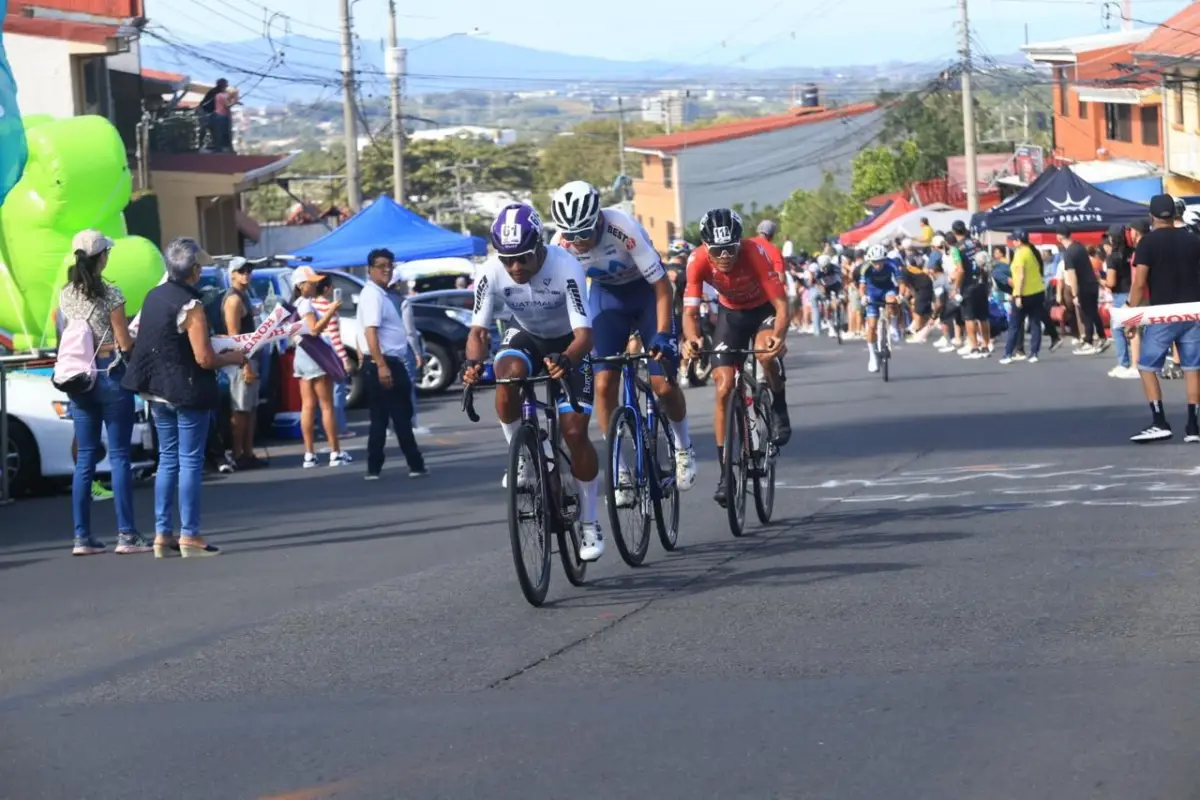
(545, 291)
(629, 292)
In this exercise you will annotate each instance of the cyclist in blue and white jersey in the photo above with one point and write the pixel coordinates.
(880, 285)
(544, 290)
(629, 292)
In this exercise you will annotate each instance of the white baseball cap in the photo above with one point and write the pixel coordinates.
(91, 243)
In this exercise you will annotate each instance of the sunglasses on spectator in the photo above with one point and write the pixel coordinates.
(523, 258)
(721, 250)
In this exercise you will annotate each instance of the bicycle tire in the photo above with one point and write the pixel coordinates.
(666, 506)
(838, 323)
(734, 468)
(764, 474)
(568, 552)
(623, 427)
(534, 587)
(885, 358)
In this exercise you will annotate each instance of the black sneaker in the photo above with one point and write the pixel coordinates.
(420, 472)
(1154, 433)
(1054, 345)
(249, 463)
(88, 547)
(720, 494)
(783, 427)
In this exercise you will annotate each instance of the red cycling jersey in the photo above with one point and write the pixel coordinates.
(774, 254)
(753, 281)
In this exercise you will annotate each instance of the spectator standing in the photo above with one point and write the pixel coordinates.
(925, 235)
(237, 317)
(385, 378)
(208, 116)
(322, 303)
(414, 358)
(173, 368)
(1028, 299)
(223, 104)
(1079, 275)
(316, 388)
(88, 297)
(971, 291)
(1118, 277)
(1166, 269)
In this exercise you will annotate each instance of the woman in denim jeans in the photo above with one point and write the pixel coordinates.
(87, 296)
(173, 368)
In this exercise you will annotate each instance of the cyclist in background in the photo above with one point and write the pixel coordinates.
(629, 293)
(879, 285)
(543, 287)
(753, 309)
(830, 278)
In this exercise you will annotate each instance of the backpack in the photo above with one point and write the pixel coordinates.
(75, 363)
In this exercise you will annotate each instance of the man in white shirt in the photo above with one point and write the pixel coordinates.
(385, 378)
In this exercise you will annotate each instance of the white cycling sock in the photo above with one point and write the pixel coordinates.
(588, 492)
(510, 429)
(679, 430)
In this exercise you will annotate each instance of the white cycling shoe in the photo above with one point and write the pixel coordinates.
(685, 468)
(625, 494)
(524, 473)
(873, 364)
(591, 545)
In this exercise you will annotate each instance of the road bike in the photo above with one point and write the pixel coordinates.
(545, 499)
(750, 449)
(641, 449)
(838, 314)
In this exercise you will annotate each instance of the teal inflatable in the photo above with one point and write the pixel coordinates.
(13, 150)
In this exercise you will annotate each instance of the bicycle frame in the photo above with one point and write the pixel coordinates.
(631, 385)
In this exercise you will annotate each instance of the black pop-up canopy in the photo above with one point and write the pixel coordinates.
(1060, 197)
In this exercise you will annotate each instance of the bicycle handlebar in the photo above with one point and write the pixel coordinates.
(468, 401)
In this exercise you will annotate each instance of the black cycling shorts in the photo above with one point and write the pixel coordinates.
(533, 350)
(735, 330)
(923, 304)
(975, 304)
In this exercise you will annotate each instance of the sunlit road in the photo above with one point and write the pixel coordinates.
(974, 588)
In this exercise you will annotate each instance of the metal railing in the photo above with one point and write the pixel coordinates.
(6, 364)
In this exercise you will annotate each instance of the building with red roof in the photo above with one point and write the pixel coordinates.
(758, 161)
(1170, 56)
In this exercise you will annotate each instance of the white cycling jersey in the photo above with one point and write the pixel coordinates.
(552, 304)
(622, 254)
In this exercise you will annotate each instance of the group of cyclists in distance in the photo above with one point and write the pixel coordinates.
(579, 299)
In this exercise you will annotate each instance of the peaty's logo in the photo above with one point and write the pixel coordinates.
(1069, 210)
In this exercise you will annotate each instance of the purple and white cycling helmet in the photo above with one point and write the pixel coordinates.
(517, 230)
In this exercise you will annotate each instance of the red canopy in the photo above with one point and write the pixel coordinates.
(898, 209)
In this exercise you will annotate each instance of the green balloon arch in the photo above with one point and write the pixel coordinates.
(76, 177)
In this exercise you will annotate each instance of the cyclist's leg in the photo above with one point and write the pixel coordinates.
(894, 315)
(519, 356)
(585, 464)
(732, 333)
(873, 303)
(611, 326)
(773, 370)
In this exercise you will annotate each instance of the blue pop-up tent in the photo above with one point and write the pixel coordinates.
(385, 223)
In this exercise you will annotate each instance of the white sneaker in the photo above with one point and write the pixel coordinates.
(592, 545)
(524, 475)
(1085, 350)
(872, 364)
(1116, 372)
(1006, 361)
(338, 459)
(685, 382)
(685, 468)
(1033, 359)
(1130, 374)
(965, 350)
(1019, 356)
(991, 347)
(832, 333)
(310, 460)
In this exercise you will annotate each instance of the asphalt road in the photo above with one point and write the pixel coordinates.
(975, 588)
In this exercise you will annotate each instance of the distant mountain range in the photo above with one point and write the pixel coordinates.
(299, 68)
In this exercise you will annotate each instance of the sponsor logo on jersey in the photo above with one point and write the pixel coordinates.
(576, 297)
(630, 244)
(481, 290)
(619, 234)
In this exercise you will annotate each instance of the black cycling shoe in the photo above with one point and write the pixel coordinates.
(783, 427)
(720, 494)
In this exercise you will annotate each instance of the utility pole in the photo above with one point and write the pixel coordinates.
(1127, 15)
(397, 66)
(350, 119)
(664, 101)
(621, 145)
(458, 192)
(968, 110)
(1025, 119)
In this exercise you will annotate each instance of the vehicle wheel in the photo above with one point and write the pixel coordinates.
(440, 369)
(23, 462)
(356, 395)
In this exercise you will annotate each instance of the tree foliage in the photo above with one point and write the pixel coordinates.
(883, 169)
(933, 123)
(589, 153)
(810, 218)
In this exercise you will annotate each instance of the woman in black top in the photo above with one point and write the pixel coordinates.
(1118, 276)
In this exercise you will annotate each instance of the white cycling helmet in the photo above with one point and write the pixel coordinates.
(1191, 217)
(876, 253)
(575, 206)
(823, 260)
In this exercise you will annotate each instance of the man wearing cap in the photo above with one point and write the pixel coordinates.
(766, 234)
(238, 317)
(1080, 277)
(1166, 269)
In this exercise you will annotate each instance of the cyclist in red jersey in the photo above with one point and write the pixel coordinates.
(753, 308)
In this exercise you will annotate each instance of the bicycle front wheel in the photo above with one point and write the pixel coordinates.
(885, 358)
(764, 457)
(626, 489)
(666, 504)
(529, 518)
(735, 465)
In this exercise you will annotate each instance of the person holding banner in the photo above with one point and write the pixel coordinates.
(316, 387)
(174, 369)
(1166, 270)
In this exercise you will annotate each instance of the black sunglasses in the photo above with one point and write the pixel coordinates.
(524, 258)
(718, 250)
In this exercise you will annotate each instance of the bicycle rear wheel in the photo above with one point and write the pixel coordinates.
(630, 518)
(529, 518)
(885, 358)
(735, 464)
(666, 507)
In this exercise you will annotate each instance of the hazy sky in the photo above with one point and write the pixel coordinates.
(751, 33)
